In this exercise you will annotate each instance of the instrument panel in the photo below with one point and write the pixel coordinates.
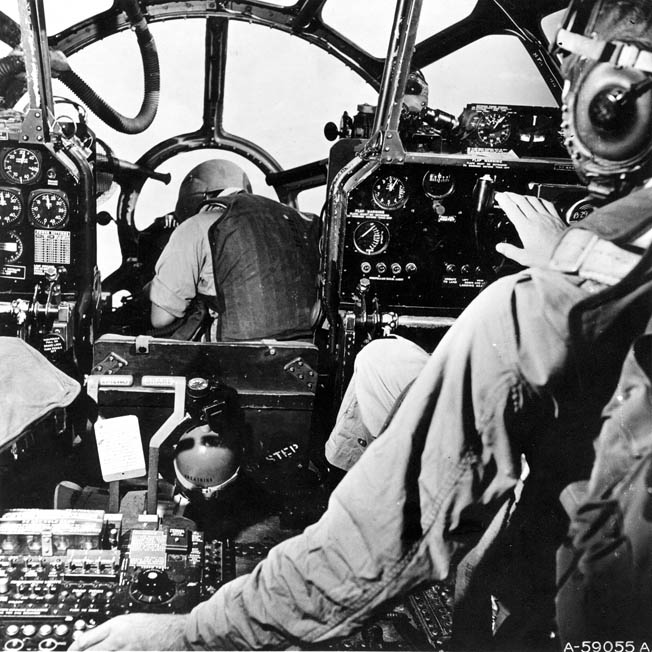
(39, 215)
(424, 235)
(522, 131)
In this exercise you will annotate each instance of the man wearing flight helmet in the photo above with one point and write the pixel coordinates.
(525, 370)
(251, 259)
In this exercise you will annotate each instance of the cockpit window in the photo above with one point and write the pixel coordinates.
(493, 70)
(115, 68)
(352, 19)
(283, 102)
(58, 20)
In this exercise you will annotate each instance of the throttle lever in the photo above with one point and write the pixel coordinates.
(482, 200)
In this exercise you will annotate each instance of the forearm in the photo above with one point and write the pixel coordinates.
(394, 522)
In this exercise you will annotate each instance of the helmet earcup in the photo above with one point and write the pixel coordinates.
(613, 132)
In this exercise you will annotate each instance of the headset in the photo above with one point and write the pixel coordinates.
(607, 103)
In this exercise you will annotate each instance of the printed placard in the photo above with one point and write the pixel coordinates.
(120, 448)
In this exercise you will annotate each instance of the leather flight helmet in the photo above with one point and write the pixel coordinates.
(208, 177)
(606, 50)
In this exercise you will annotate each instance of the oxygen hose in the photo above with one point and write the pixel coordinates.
(9, 66)
(151, 73)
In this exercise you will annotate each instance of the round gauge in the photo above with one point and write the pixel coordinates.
(438, 184)
(21, 165)
(11, 246)
(493, 129)
(579, 210)
(389, 192)
(11, 206)
(371, 238)
(48, 209)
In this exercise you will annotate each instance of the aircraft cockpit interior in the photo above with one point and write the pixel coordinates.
(143, 465)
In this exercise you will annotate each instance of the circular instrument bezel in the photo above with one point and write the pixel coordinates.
(13, 258)
(61, 199)
(366, 227)
(585, 206)
(434, 195)
(385, 203)
(10, 171)
(16, 214)
(485, 125)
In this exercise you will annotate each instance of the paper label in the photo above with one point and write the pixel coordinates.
(120, 448)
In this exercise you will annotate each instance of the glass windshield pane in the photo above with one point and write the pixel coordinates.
(493, 70)
(58, 18)
(368, 23)
(436, 16)
(282, 92)
(113, 68)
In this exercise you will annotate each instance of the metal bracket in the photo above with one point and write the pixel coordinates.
(142, 344)
(302, 372)
(110, 365)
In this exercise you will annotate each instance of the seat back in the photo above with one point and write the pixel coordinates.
(275, 382)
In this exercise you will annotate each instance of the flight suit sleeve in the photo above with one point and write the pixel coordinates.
(178, 268)
(423, 489)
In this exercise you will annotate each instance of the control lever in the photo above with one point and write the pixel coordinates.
(482, 201)
(364, 285)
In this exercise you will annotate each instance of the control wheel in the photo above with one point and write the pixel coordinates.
(153, 586)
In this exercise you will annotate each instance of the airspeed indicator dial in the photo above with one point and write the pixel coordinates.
(11, 206)
(48, 209)
(389, 192)
(371, 238)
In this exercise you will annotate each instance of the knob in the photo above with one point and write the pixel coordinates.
(4, 584)
(12, 630)
(153, 586)
(197, 388)
(28, 630)
(381, 268)
(396, 268)
(451, 269)
(410, 268)
(45, 630)
(365, 267)
(61, 630)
